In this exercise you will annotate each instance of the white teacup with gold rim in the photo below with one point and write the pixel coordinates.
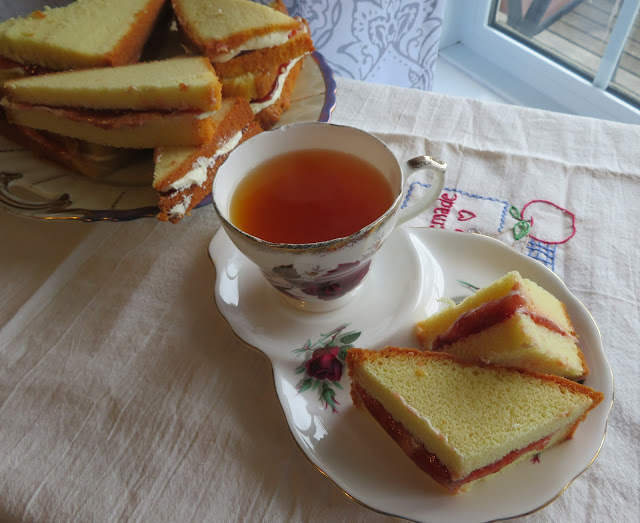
(312, 234)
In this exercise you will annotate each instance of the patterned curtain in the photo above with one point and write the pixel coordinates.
(382, 41)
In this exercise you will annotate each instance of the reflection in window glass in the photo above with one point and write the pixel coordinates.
(626, 80)
(574, 33)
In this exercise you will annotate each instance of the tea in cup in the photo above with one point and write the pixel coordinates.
(311, 203)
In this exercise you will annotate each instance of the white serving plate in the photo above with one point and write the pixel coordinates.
(414, 269)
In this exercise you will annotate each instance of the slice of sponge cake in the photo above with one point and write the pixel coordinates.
(459, 421)
(85, 33)
(80, 156)
(257, 51)
(128, 106)
(177, 83)
(226, 29)
(183, 176)
(511, 322)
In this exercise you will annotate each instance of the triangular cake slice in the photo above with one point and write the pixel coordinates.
(511, 322)
(183, 176)
(225, 29)
(85, 33)
(140, 105)
(459, 421)
(183, 83)
(257, 51)
(81, 157)
(270, 108)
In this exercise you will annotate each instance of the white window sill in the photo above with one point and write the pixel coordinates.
(460, 72)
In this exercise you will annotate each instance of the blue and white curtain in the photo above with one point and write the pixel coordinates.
(382, 41)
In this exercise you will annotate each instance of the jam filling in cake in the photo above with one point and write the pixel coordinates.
(223, 53)
(428, 461)
(459, 421)
(512, 321)
(276, 89)
(491, 313)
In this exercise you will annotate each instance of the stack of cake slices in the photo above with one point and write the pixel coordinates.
(74, 90)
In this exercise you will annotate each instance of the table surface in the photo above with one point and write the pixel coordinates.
(125, 396)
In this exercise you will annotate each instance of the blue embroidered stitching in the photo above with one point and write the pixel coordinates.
(464, 193)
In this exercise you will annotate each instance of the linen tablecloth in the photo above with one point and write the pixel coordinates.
(124, 395)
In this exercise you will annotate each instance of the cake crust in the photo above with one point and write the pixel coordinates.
(236, 115)
(167, 201)
(138, 130)
(262, 60)
(271, 115)
(216, 25)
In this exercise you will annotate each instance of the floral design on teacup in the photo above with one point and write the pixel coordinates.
(325, 285)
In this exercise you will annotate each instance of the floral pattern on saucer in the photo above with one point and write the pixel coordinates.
(323, 365)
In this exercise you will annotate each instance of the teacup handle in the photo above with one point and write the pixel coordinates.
(419, 163)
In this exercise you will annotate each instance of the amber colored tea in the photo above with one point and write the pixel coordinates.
(310, 196)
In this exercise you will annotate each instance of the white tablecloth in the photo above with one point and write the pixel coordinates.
(125, 396)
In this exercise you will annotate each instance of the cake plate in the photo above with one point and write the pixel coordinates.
(37, 188)
(413, 272)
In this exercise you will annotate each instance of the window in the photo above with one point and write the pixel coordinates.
(576, 56)
(626, 79)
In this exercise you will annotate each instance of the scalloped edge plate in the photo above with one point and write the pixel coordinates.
(414, 269)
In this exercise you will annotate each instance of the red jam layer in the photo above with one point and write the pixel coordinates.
(281, 69)
(105, 119)
(427, 461)
(489, 314)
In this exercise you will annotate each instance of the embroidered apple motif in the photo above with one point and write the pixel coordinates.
(545, 222)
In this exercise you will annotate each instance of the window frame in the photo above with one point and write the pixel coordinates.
(486, 54)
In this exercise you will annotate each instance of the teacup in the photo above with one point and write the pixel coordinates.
(325, 275)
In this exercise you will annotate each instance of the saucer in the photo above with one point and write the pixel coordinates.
(410, 276)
